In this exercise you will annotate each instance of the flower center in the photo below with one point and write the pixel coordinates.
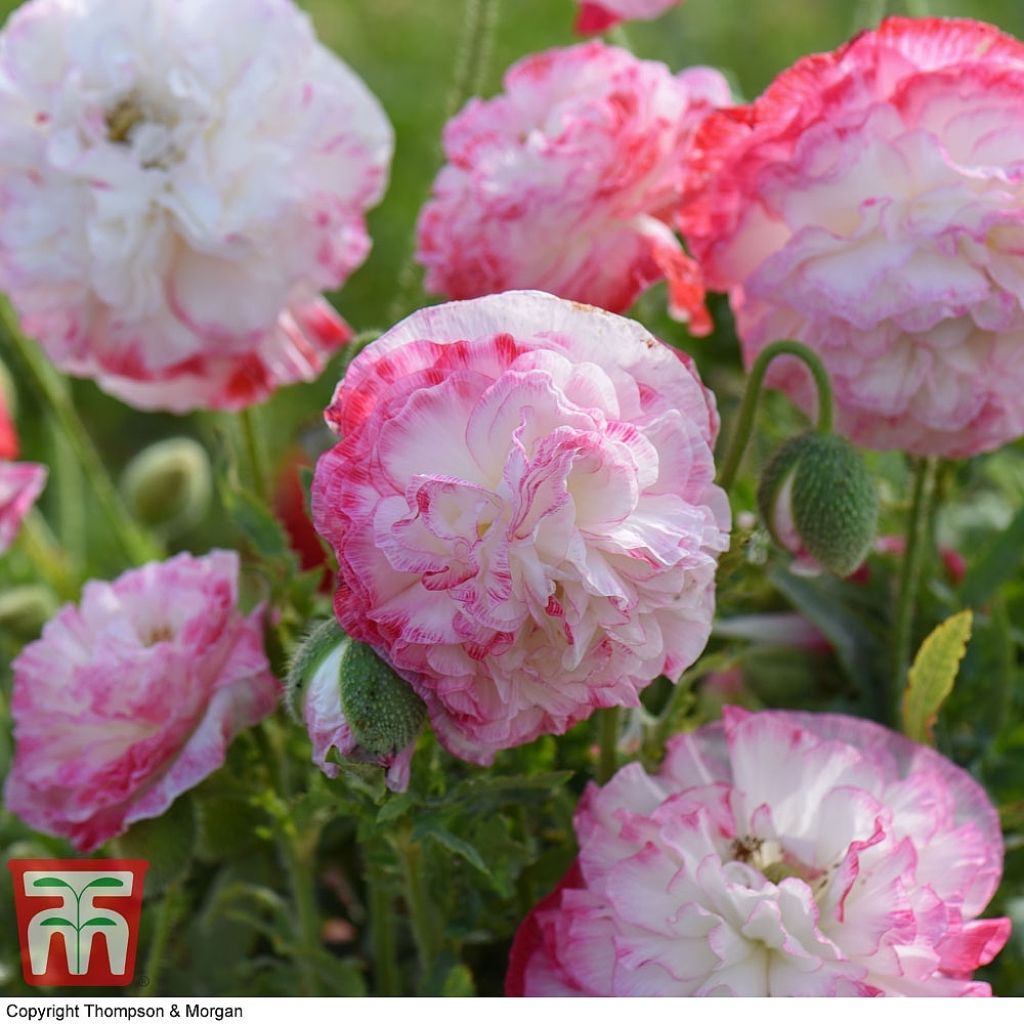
(156, 635)
(122, 119)
(769, 857)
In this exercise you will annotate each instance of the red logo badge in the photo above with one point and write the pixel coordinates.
(78, 920)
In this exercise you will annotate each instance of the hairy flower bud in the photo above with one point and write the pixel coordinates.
(353, 701)
(819, 502)
(168, 484)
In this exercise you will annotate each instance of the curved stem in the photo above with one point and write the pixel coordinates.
(748, 408)
(608, 727)
(910, 578)
(52, 392)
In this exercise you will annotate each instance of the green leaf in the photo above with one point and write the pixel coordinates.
(49, 881)
(933, 673)
(429, 828)
(166, 842)
(254, 518)
(459, 983)
(840, 613)
(488, 792)
(395, 807)
(105, 883)
(98, 922)
(57, 920)
(996, 565)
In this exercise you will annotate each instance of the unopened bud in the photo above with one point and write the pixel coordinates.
(26, 609)
(168, 484)
(353, 702)
(819, 502)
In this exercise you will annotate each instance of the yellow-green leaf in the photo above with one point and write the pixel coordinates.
(933, 673)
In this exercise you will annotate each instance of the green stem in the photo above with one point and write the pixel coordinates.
(39, 543)
(910, 579)
(748, 407)
(479, 24)
(618, 36)
(66, 476)
(421, 911)
(721, 661)
(255, 452)
(166, 915)
(297, 858)
(608, 731)
(1006, 665)
(382, 930)
(472, 58)
(53, 394)
(298, 863)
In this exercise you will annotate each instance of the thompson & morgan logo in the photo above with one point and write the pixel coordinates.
(78, 920)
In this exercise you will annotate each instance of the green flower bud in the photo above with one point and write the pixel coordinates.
(168, 485)
(353, 702)
(26, 609)
(819, 502)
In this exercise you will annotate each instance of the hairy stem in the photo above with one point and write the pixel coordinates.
(472, 58)
(166, 917)
(382, 930)
(748, 407)
(914, 557)
(421, 912)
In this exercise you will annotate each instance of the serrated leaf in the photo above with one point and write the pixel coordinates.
(487, 792)
(933, 674)
(996, 565)
(428, 828)
(254, 518)
(395, 808)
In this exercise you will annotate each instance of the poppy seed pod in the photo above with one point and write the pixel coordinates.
(168, 484)
(354, 702)
(819, 502)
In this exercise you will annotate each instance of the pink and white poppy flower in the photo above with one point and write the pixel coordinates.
(567, 181)
(523, 507)
(869, 205)
(775, 854)
(181, 180)
(133, 696)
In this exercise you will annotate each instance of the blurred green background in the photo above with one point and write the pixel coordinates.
(406, 50)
